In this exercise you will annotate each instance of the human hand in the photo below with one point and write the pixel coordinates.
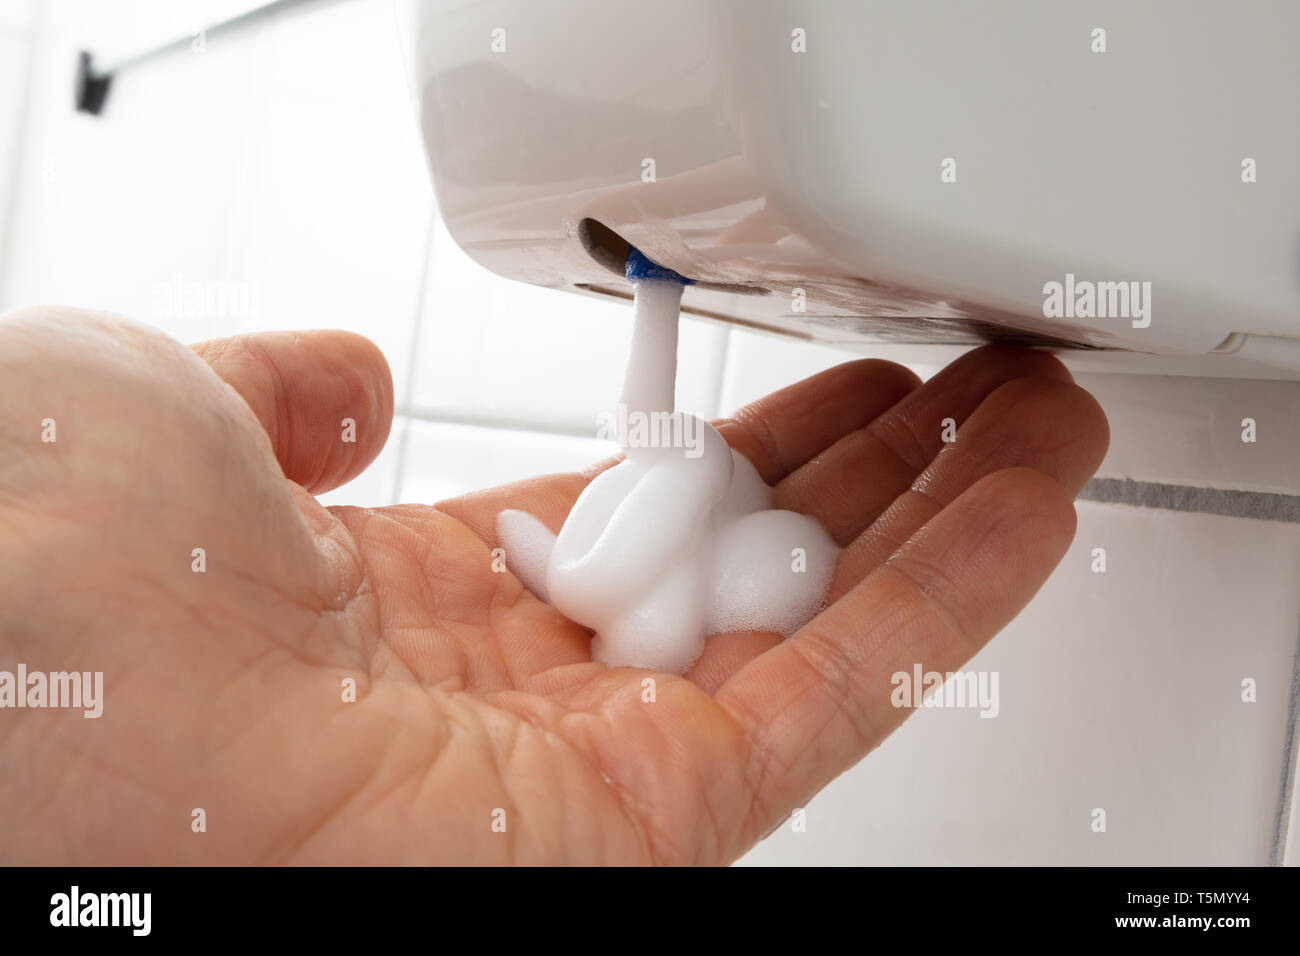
(475, 703)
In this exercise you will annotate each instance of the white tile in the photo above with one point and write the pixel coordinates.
(1119, 691)
(265, 183)
(13, 82)
(502, 350)
(1188, 431)
(136, 211)
(16, 15)
(759, 364)
(443, 461)
(340, 200)
(374, 487)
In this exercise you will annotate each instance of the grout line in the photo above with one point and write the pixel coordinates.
(412, 358)
(1266, 506)
(437, 416)
(409, 411)
(1282, 822)
(720, 377)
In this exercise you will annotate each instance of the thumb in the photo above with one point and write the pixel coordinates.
(325, 398)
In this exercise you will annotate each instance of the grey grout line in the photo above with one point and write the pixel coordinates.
(721, 376)
(1265, 506)
(1282, 822)
(412, 358)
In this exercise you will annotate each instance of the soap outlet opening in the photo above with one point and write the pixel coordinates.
(609, 250)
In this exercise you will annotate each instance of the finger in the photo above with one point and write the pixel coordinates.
(1049, 425)
(852, 482)
(1052, 426)
(815, 704)
(777, 433)
(786, 429)
(725, 654)
(305, 388)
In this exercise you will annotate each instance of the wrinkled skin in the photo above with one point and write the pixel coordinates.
(224, 689)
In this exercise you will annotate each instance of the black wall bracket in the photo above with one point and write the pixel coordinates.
(92, 88)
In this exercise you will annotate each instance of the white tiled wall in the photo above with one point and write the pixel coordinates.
(283, 169)
(16, 15)
(1120, 691)
(444, 460)
(504, 352)
(15, 62)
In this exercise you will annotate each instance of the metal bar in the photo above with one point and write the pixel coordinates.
(95, 80)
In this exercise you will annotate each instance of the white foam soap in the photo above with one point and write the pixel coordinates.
(679, 540)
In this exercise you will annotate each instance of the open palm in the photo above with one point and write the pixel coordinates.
(168, 537)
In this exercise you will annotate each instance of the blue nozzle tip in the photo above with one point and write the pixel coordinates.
(640, 268)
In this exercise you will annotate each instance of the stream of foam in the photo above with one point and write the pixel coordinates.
(679, 541)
